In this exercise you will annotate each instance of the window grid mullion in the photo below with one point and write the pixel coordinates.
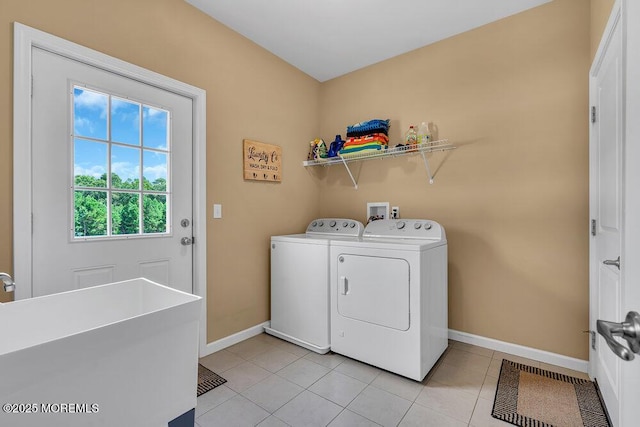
(141, 172)
(109, 195)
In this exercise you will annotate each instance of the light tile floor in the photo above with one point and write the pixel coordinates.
(271, 382)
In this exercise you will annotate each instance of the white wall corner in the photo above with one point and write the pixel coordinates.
(225, 342)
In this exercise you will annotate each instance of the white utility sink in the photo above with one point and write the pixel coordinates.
(124, 353)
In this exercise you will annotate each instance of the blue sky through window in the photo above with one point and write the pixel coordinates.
(154, 126)
(90, 158)
(155, 165)
(125, 121)
(125, 162)
(91, 118)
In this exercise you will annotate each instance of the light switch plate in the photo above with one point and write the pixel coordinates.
(217, 211)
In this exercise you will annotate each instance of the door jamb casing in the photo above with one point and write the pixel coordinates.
(625, 13)
(614, 20)
(25, 39)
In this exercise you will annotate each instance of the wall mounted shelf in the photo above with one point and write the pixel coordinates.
(423, 150)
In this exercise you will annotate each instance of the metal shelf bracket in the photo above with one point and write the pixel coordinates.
(355, 183)
(426, 165)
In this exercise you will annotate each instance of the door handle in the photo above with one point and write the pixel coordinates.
(186, 241)
(344, 285)
(615, 262)
(629, 330)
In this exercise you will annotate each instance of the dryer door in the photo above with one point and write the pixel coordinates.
(374, 290)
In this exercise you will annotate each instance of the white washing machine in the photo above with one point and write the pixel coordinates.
(389, 296)
(300, 282)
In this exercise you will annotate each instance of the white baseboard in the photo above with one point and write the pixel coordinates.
(225, 342)
(522, 351)
(490, 343)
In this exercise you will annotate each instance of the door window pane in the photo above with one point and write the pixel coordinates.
(90, 213)
(125, 213)
(155, 170)
(125, 167)
(89, 113)
(154, 128)
(108, 154)
(89, 163)
(125, 121)
(155, 213)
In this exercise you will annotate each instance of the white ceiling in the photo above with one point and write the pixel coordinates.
(329, 38)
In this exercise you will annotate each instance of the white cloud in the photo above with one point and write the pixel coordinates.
(126, 112)
(91, 100)
(154, 115)
(154, 172)
(118, 103)
(95, 171)
(125, 170)
(84, 124)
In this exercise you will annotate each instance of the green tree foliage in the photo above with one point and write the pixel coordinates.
(91, 207)
(90, 213)
(125, 213)
(155, 213)
(159, 184)
(89, 181)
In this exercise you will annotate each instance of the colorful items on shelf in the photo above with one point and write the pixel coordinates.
(336, 146)
(322, 151)
(317, 150)
(366, 136)
(313, 149)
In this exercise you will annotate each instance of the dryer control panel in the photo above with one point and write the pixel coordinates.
(336, 227)
(405, 229)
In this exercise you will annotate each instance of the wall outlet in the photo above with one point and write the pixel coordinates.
(395, 212)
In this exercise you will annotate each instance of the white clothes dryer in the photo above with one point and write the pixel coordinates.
(300, 282)
(389, 296)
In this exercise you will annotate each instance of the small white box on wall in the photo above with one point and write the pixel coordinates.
(377, 210)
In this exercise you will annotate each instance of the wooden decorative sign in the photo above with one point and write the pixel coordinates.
(262, 162)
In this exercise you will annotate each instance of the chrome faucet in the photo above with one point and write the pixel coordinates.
(9, 285)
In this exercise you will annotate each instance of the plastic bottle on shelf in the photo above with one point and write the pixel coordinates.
(424, 135)
(411, 138)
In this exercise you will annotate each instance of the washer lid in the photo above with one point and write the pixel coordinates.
(306, 239)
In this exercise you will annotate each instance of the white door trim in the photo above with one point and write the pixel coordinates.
(625, 13)
(614, 20)
(25, 39)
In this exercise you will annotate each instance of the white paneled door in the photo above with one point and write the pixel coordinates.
(111, 179)
(607, 215)
(615, 215)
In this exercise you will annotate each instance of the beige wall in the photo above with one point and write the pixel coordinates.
(513, 197)
(600, 11)
(250, 94)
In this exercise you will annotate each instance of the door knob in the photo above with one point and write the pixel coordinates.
(186, 241)
(615, 262)
(629, 330)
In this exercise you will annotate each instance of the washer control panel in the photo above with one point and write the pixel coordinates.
(336, 227)
(404, 229)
